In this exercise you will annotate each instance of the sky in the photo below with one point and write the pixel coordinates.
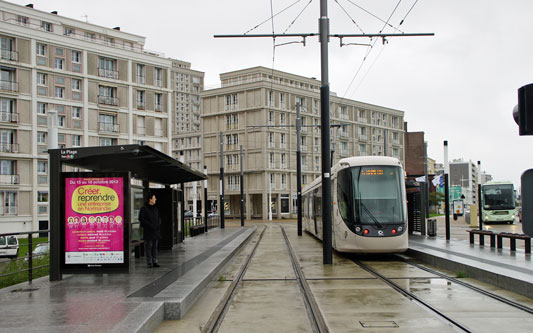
(459, 85)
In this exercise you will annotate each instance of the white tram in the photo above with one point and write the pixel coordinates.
(369, 205)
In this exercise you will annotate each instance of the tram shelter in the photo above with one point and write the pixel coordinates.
(122, 162)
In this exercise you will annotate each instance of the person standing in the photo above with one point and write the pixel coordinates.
(151, 223)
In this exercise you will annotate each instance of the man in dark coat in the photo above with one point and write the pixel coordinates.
(151, 223)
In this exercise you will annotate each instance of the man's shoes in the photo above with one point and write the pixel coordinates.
(156, 265)
(150, 265)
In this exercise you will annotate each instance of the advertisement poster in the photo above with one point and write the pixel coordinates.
(94, 220)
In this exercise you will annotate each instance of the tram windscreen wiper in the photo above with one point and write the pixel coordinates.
(369, 213)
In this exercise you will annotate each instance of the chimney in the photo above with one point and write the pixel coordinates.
(30, 5)
(117, 28)
(54, 12)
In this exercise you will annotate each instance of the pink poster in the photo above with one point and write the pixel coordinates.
(94, 220)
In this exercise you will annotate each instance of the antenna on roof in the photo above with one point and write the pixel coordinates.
(86, 17)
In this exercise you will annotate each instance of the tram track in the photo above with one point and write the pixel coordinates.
(316, 319)
(411, 296)
(469, 286)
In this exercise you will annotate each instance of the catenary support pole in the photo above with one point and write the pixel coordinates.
(298, 168)
(479, 195)
(221, 181)
(446, 190)
(242, 189)
(205, 199)
(325, 136)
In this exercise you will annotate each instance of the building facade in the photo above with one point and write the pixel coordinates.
(255, 108)
(464, 174)
(106, 88)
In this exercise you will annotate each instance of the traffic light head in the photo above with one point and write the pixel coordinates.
(527, 202)
(523, 112)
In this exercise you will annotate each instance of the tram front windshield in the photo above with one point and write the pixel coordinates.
(370, 195)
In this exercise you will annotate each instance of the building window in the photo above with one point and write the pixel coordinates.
(41, 138)
(59, 92)
(270, 140)
(67, 31)
(107, 95)
(46, 26)
(42, 196)
(108, 123)
(107, 68)
(107, 141)
(232, 102)
(22, 20)
(58, 63)
(140, 99)
(61, 121)
(158, 77)
(362, 149)
(283, 140)
(76, 112)
(9, 202)
(42, 167)
(140, 74)
(76, 141)
(76, 84)
(76, 56)
(41, 49)
(41, 78)
(282, 118)
(158, 102)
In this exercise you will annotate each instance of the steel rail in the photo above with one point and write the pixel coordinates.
(410, 295)
(217, 317)
(469, 286)
(315, 315)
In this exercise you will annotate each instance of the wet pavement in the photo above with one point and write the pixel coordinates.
(195, 276)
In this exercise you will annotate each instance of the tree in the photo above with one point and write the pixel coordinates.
(435, 199)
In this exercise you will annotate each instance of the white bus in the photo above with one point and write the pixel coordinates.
(498, 202)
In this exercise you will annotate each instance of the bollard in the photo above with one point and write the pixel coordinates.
(432, 227)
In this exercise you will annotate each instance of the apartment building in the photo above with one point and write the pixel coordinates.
(249, 100)
(464, 174)
(106, 88)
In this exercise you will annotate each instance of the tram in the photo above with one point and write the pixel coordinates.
(369, 205)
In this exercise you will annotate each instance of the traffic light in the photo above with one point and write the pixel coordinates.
(527, 202)
(523, 112)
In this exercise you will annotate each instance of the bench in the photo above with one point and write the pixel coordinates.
(138, 247)
(513, 237)
(196, 230)
(482, 234)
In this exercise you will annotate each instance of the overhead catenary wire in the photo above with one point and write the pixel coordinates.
(373, 15)
(272, 16)
(351, 18)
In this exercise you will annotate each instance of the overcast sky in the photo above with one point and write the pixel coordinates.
(460, 85)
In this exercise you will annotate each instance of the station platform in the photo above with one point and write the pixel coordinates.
(510, 270)
(135, 302)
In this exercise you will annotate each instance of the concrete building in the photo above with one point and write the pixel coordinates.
(261, 97)
(106, 88)
(464, 174)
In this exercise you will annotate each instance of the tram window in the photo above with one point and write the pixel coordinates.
(345, 196)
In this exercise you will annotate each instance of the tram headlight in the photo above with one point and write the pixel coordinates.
(357, 229)
(400, 228)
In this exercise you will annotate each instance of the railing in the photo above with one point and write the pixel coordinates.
(13, 271)
(192, 224)
(108, 127)
(9, 55)
(141, 105)
(158, 83)
(9, 147)
(141, 79)
(108, 100)
(9, 86)
(109, 73)
(8, 117)
(363, 137)
(10, 179)
(159, 107)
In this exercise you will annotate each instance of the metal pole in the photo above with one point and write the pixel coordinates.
(221, 181)
(205, 198)
(325, 133)
(426, 177)
(446, 191)
(242, 190)
(298, 168)
(55, 215)
(479, 194)
(269, 198)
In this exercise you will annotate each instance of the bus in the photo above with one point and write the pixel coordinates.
(498, 202)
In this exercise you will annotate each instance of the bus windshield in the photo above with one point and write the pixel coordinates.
(498, 197)
(370, 195)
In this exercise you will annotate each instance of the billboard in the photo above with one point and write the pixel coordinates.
(95, 224)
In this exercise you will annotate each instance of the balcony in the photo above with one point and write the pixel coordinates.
(108, 100)
(141, 79)
(108, 127)
(8, 117)
(10, 179)
(363, 137)
(362, 120)
(343, 134)
(344, 116)
(9, 85)
(158, 83)
(9, 55)
(141, 105)
(159, 107)
(9, 147)
(109, 73)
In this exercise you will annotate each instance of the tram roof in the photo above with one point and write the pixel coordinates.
(144, 162)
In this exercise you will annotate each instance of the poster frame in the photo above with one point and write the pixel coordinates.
(103, 267)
